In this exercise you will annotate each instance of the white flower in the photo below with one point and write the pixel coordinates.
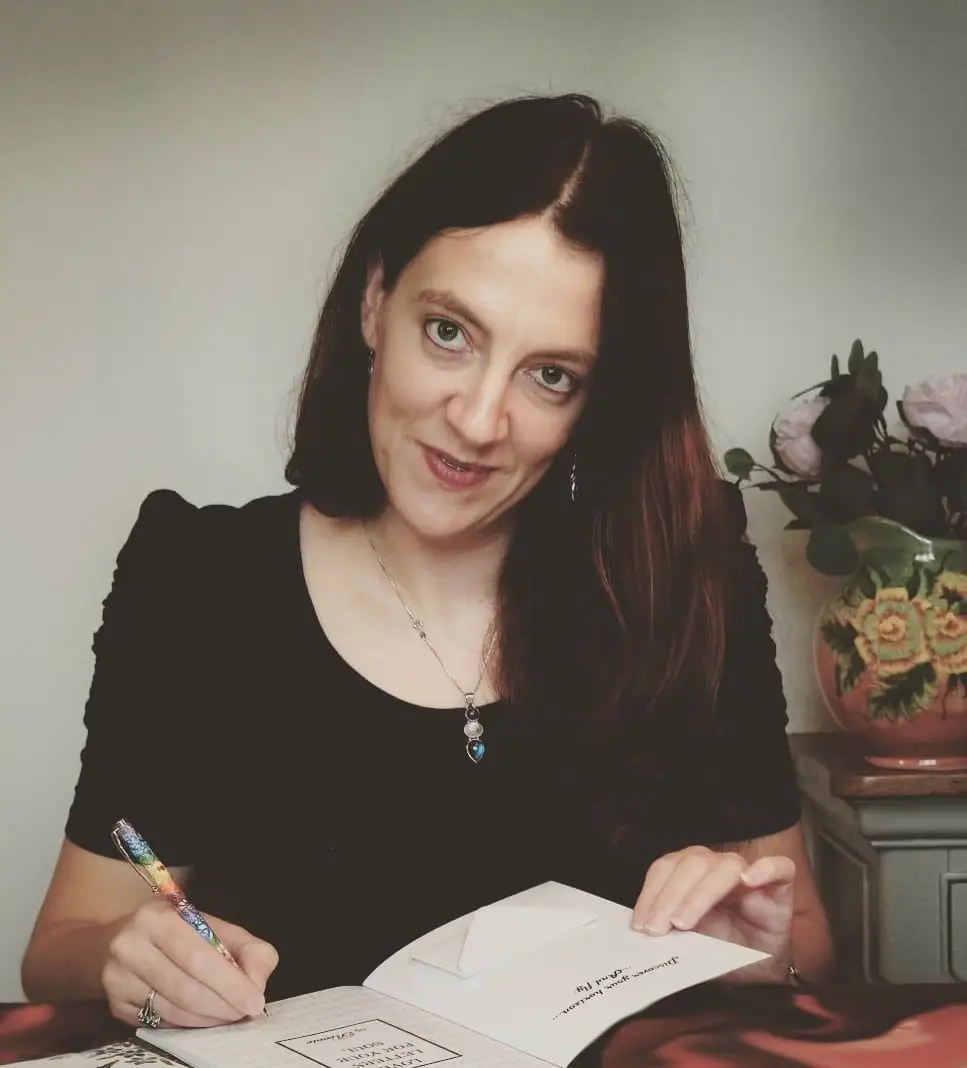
(794, 441)
(939, 404)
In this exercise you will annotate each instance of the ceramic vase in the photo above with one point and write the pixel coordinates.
(891, 650)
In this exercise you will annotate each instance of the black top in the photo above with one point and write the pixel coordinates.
(328, 817)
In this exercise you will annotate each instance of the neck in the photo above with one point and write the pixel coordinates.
(440, 576)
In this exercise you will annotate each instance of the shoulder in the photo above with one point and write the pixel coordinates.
(177, 549)
(169, 525)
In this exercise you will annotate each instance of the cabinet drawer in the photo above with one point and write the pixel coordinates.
(956, 925)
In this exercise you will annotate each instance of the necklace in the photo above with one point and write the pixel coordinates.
(472, 727)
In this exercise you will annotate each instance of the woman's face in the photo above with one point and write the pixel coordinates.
(484, 348)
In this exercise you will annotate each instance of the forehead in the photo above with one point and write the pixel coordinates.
(518, 276)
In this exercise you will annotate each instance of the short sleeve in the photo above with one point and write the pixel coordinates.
(752, 782)
(137, 762)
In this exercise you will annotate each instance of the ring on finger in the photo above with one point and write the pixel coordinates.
(148, 1014)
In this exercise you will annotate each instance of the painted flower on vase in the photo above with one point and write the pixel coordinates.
(909, 641)
(891, 632)
(946, 623)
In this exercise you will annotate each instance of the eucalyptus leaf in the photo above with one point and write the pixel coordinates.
(803, 504)
(855, 361)
(845, 492)
(845, 427)
(830, 550)
(739, 462)
(834, 371)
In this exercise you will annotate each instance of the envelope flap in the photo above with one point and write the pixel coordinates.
(500, 933)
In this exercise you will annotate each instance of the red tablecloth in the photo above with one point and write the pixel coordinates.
(708, 1027)
(41, 1030)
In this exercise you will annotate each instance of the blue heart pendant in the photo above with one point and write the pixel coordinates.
(476, 750)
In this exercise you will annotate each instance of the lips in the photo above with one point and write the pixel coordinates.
(453, 472)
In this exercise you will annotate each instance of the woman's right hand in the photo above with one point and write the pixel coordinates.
(195, 986)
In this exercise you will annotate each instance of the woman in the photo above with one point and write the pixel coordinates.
(504, 629)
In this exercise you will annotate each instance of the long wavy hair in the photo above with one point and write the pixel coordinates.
(614, 603)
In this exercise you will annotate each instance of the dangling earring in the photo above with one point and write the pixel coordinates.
(574, 477)
(370, 360)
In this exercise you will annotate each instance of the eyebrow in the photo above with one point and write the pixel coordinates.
(450, 302)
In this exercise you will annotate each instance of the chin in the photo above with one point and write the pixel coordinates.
(442, 521)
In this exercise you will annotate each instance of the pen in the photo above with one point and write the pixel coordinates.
(142, 858)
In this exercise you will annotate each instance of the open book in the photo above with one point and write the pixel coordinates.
(532, 979)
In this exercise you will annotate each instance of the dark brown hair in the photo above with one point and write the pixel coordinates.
(617, 600)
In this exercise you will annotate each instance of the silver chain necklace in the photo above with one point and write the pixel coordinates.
(472, 727)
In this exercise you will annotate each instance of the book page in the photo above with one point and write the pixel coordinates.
(347, 1027)
(549, 970)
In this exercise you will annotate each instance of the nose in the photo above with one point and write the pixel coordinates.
(478, 411)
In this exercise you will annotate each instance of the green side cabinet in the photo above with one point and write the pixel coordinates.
(889, 849)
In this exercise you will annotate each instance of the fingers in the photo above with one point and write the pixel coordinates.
(257, 959)
(199, 960)
(138, 964)
(681, 888)
(195, 985)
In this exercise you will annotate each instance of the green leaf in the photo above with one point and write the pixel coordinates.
(855, 361)
(904, 696)
(830, 550)
(869, 381)
(846, 426)
(840, 636)
(845, 492)
(834, 371)
(809, 389)
(865, 582)
(739, 462)
(907, 490)
(804, 505)
(849, 670)
(952, 479)
(914, 582)
(957, 682)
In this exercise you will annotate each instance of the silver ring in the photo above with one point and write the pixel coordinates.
(147, 1014)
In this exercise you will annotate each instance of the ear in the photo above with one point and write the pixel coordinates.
(371, 306)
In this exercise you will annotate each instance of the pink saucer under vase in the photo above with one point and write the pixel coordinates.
(890, 651)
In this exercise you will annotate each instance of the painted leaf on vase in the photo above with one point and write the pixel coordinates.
(840, 636)
(904, 696)
(957, 682)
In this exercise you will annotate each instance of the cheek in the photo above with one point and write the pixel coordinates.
(398, 396)
(540, 438)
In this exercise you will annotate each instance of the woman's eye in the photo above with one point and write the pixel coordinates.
(444, 333)
(556, 379)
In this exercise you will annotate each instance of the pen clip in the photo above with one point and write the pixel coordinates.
(118, 839)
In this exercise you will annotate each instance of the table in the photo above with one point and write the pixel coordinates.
(890, 854)
(850, 1026)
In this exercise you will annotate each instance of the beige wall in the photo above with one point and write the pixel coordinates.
(175, 178)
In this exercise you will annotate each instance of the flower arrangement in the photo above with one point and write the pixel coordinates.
(836, 461)
(894, 643)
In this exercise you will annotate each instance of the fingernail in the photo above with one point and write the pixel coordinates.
(255, 1006)
(656, 925)
(682, 923)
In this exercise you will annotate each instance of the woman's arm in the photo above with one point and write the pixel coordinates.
(812, 944)
(758, 893)
(90, 898)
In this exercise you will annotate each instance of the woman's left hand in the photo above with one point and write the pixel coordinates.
(723, 895)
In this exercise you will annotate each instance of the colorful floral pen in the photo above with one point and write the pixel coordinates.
(141, 857)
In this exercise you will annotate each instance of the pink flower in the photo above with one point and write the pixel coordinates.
(794, 443)
(939, 404)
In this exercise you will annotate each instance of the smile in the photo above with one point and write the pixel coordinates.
(453, 473)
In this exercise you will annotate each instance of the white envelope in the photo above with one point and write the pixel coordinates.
(499, 933)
